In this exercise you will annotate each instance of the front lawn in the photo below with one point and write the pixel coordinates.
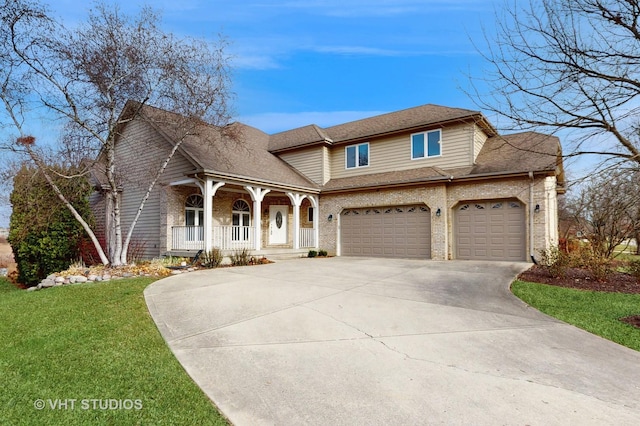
(595, 311)
(91, 354)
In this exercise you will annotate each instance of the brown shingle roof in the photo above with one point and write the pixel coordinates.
(519, 152)
(236, 150)
(301, 136)
(402, 177)
(404, 120)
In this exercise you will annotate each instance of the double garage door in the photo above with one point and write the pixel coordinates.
(399, 231)
(490, 230)
(482, 230)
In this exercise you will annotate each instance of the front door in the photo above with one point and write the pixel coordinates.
(278, 218)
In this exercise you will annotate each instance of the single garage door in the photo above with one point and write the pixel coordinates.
(399, 231)
(490, 230)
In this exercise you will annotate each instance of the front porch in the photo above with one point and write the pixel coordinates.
(227, 238)
(203, 214)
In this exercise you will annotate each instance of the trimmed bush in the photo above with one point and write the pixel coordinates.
(312, 253)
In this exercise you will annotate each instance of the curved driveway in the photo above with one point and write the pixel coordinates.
(358, 341)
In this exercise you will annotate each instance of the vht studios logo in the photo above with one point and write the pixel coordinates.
(87, 404)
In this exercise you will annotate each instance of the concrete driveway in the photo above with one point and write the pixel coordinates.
(359, 341)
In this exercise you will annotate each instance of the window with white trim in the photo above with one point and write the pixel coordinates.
(240, 221)
(426, 144)
(194, 217)
(357, 156)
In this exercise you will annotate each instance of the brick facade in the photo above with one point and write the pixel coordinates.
(446, 197)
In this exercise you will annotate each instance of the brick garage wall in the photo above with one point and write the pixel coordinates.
(446, 197)
(543, 192)
(433, 197)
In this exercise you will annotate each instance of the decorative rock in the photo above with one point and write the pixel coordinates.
(127, 274)
(176, 272)
(59, 279)
(92, 277)
(33, 288)
(106, 277)
(46, 283)
(71, 279)
(51, 277)
(80, 279)
(98, 278)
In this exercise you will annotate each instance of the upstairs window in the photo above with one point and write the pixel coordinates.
(357, 156)
(426, 144)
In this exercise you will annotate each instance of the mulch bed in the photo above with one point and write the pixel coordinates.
(581, 279)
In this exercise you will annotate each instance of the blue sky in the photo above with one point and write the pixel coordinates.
(327, 62)
(331, 61)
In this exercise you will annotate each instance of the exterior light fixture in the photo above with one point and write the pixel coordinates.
(537, 209)
(438, 212)
(330, 218)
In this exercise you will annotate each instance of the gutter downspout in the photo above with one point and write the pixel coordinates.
(533, 259)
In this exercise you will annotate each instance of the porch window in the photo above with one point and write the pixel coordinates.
(241, 221)
(194, 218)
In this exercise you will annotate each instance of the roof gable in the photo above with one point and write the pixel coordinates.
(234, 151)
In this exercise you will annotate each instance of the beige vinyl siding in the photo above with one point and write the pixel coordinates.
(326, 165)
(479, 138)
(140, 153)
(310, 162)
(394, 153)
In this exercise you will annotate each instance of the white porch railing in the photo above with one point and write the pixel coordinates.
(227, 237)
(233, 237)
(307, 238)
(224, 237)
(187, 237)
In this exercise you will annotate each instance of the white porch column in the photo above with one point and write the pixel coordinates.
(296, 201)
(257, 195)
(209, 189)
(316, 217)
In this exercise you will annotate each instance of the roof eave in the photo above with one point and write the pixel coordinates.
(247, 180)
(440, 179)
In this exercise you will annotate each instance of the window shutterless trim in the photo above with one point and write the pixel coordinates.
(425, 144)
(356, 147)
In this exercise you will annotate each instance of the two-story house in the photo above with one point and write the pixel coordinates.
(429, 182)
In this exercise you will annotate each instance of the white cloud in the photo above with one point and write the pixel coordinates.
(274, 122)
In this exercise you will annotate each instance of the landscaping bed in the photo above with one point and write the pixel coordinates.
(582, 279)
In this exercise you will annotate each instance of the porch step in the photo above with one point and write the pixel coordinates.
(281, 254)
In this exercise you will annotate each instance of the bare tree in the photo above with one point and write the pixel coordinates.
(86, 77)
(568, 64)
(606, 211)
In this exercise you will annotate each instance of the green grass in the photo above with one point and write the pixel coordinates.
(91, 341)
(596, 312)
